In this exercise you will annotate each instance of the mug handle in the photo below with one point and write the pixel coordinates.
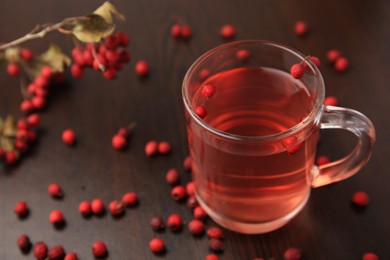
(357, 123)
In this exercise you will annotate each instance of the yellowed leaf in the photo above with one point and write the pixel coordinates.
(55, 58)
(107, 11)
(9, 128)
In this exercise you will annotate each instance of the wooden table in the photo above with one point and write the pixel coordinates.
(327, 228)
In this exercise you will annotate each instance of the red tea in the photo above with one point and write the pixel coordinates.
(244, 182)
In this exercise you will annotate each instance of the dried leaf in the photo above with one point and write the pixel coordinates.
(7, 144)
(1, 125)
(9, 128)
(55, 58)
(99, 25)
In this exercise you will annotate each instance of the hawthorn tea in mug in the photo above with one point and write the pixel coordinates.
(253, 131)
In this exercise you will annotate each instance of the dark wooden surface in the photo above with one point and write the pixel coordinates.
(327, 228)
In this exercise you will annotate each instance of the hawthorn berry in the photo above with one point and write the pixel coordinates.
(208, 90)
(10, 157)
(330, 101)
(97, 206)
(26, 54)
(46, 71)
(56, 217)
(41, 81)
(22, 124)
(142, 68)
(110, 73)
(123, 39)
(71, 256)
(40, 250)
(21, 209)
(370, 256)
(38, 102)
(116, 208)
(118, 142)
(192, 202)
(297, 70)
(157, 245)
(187, 163)
(164, 147)
(323, 159)
(186, 32)
(360, 198)
(130, 199)
(175, 222)
(26, 106)
(228, 31)
(176, 31)
(211, 257)
(123, 131)
(172, 176)
(300, 28)
(341, 64)
(292, 253)
(315, 60)
(215, 245)
(157, 223)
(85, 208)
(196, 227)
(215, 232)
(201, 111)
(68, 137)
(333, 55)
(204, 74)
(178, 193)
(151, 148)
(77, 71)
(13, 69)
(99, 249)
(243, 55)
(24, 243)
(56, 253)
(199, 213)
(55, 190)
(190, 188)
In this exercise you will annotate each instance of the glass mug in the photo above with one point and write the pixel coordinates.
(253, 132)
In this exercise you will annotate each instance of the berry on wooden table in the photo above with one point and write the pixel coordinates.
(157, 245)
(99, 249)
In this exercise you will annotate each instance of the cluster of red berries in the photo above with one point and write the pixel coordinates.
(298, 69)
(181, 32)
(107, 57)
(153, 147)
(20, 140)
(340, 63)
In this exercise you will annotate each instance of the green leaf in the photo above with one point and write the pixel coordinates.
(55, 58)
(99, 25)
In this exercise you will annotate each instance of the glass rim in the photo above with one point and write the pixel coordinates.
(317, 108)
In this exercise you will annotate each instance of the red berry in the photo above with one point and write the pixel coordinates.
(111, 42)
(186, 32)
(21, 209)
(77, 71)
(190, 188)
(31, 136)
(22, 124)
(333, 55)
(123, 132)
(370, 256)
(176, 31)
(38, 102)
(71, 256)
(292, 253)
(208, 90)
(164, 147)
(215, 245)
(116, 208)
(196, 227)
(204, 74)
(2, 152)
(315, 60)
(41, 81)
(46, 71)
(123, 38)
(56, 253)
(40, 250)
(21, 145)
(85, 208)
(112, 56)
(341, 64)
(175, 222)
(97, 206)
(201, 111)
(211, 257)
(157, 223)
(297, 70)
(192, 202)
(142, 68)
(34, 119)
(118, 142)
(243, 55)
(323, 159)
(41, 92)
(68, 136)
(228, 31)
(31, 88)
(187, 163)
(331, 101)
(130, 199)
(157, 245)
(360, 198)
(151, 148)
(21, 134)
(26, 106)
(99, 249)
(56, 217)
(215, 232)
(110, 73)
(24, 243)
(26, 54)
(172, 177)
(199, 213)
(13, 69)
(100, 63)
(178, 193)
(88, 57)
(55, 190)
(300, 28)
(124, 55)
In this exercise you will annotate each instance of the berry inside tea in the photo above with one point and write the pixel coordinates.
(251, 179)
